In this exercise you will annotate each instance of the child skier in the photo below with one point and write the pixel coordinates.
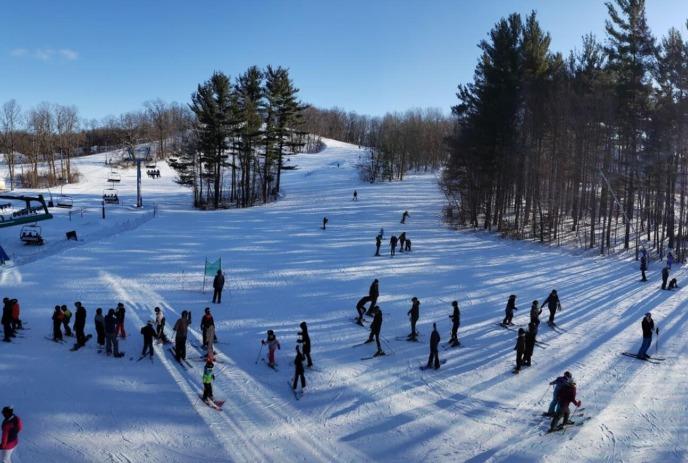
(434, 358)
(414, 315)
(404, 216)
(99, 322)
(375, 328)
(306, 341)
(273, 344)
(120, 320)
(148, 333)
(557, 383)
(65, 321)
(208, 377)
(298, 370)
(456, 322)
(160, 326)
(520, 349)
(535, 312)
(393, 245)
(553, 305)
(565, 396)
(510, 307)
(58, 318)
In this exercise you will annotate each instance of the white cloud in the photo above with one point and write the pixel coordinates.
(45, 54)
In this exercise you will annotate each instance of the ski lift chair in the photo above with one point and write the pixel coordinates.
(110, 196)
(31, 234)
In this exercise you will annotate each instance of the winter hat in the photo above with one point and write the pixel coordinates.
(303, 325)
(270, 332)
(649, 314)
(207, 310)
(99, 310)
(455, 303)
(111, 312)
(7, 411)
(535, 302)
(568, 374)
(521, 331)
(513, 296)
(157, 309)
(183, 313)
(554, 291)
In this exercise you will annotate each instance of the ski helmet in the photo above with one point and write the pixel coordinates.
(157, 309)
(455, 303)
(7, 411)
(207, 310)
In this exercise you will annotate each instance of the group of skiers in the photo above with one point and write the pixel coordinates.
(11, 321)
(666, 270)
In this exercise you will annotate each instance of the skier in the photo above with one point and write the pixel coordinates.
(375, 328)
(206, 322)
(148, 333)
(7, 320)
(456, 322)
(218, 284)
(665, 277)
(306, 341)
(402, 241)
(553, 305)
(11, 427)
(58, 318)
(554, 404)
(67, 318)
(535, 312)
(355, 195)
(378, 243)
(298, 370)
(160, 326)
(120, 313)
(643, 267)
(434, 343)
(510, 307)
(648, 326)
(530, 338)
(180, 329)
(414, 315)
(393, 245)
(99, 321)
(16, 311)
(566, 395)
(373, 294)
(408, 245)
(404, 216)
(360, 308)
(520, 349)
(324, 226)
(111, 342)
(208, 377)
(273, 344)
(670, 260)
(80, 324)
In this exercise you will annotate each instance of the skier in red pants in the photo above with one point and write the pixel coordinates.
(273, 344)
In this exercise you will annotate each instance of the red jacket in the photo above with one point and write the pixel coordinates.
(15, 311)
(10, 432)
(566, 395)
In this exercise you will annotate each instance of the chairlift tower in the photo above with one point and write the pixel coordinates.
(140, 154)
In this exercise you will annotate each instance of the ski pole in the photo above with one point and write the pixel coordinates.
(259, 352)
(657, 341)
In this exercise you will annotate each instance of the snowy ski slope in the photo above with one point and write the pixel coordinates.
(282, 269)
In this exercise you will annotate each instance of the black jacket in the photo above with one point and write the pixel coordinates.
(80, 318)
(434, 341)
(298, 363)
(415, 311)
(552, 302)
(520, 344)
(305, 340)
(376, 325)
(374, 290)
(219, 281)
(110, 324)
(148, 333)
(648, 327)
(7, 312)
(456, 316)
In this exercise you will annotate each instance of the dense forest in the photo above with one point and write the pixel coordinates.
(589, 147)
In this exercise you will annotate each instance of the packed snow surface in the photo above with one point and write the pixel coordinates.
(282, 269)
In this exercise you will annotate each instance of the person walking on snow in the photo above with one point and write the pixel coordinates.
(373, 294)
(306, 341)
(643, 268)
(535, 312)
(355, 196)
(553, 305)
(520, 349)
(99, 322)
(510, 307)
(665, 277)
(393, 245)
(378, 243)
(414, 315)
(273, 344)
(404, 216)
(298, 370)
(206, 322)
(565, 396)
(65, 321)
(324, 226)
(530, 338)
(218, 284)
(11, 427)
(111, 342)
(434, 358)
(120, 313)
(80, 324)
(375, 328)
(456, 322)
(160, 326)
(557, 383)
(208, 378)
(181, 330)
(58, 318)
(648, 326)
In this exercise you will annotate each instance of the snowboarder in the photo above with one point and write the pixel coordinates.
(273, 344)
(643, 268)
(510, 307)
(181, 329)
(58, 317)
(360, 308)
(375, 328)
(520, 349)
(324, 226)
(111, 342)
(148, 333)
(120, 313)
(670, 260)
(553, 305)
(665, 277)
(160, 326)
(99, 322)
(393, 245)
(408, 245)
(373, 294)
(218, 284)
(434, 352)
(535, 312)
(65, 321)
(673, 284)
(404, 216)
(414, 315)
(378, 243)
(530, 338)
(402, 241)
(355, 196)
(208, 378)
(11, 427)
(456, 322)
(566, 395)
(306, 341)
(298, 370)
(557, 383)
(7, 320)
(206, 322)
(648, 326)
(80, 324)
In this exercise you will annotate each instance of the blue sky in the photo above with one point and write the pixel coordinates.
(374, 56)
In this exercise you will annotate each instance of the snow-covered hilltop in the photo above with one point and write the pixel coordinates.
(281, 269)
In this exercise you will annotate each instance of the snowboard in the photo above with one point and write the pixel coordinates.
(425, 367)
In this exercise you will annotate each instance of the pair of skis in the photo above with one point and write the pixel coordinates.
(214, 404)
(183, 362)
(655, 360)
(298, 393)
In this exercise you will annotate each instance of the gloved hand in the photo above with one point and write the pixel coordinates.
(579, 403)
